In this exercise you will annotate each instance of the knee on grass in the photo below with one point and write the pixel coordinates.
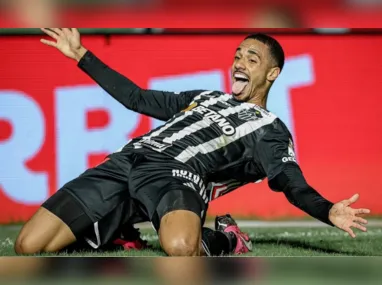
(181, 246)
(44, 232)
(26, 244)
(32, 243)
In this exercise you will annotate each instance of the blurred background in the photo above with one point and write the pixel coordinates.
(196, 14)
(55, 122)
(190, 271)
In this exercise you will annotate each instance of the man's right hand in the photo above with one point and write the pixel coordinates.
(68, 41)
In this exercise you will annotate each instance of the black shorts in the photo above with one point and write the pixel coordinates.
(129, 187)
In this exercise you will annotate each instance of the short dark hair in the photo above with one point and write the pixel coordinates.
(274, 46)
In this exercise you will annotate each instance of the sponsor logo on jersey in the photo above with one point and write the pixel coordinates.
(195, 178)
(249, 115)
(291, 154)
(222, 122)
(154, 144)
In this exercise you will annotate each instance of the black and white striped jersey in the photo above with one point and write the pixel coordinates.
(227, 142)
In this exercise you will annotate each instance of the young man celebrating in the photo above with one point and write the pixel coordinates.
(210, 141)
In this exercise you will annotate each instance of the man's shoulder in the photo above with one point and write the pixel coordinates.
(272, 125)
(212, 93)
(201, 92)
(208, 94)
(279, 128)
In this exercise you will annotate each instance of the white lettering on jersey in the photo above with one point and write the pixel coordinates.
(194, 178)
(213, 116)
(211, 101)
(154, 144)
(291, 153)
(223, 140)
(200, 125)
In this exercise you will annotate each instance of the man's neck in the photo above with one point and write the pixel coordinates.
(259, 99)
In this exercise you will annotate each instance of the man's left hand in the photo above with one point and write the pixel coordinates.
(345, 218)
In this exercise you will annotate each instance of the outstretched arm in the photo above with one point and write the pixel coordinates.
(158, 104)
(277, 157)
(292, 183)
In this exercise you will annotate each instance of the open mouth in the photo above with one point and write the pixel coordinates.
(240, 82)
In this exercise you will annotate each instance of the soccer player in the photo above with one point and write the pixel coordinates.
(212, 143)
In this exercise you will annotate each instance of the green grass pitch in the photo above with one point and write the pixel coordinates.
(267, 241)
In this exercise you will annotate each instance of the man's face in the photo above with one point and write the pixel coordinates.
(250, 69)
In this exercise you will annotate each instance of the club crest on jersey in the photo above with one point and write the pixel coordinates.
(249, 115)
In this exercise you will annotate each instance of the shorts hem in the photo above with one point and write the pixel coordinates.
(65, 207)
(81, 204)
(190, 201)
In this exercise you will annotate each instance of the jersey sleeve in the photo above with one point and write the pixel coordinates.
(275, 150)
(299, 193)
(161, 105)
(277, 157)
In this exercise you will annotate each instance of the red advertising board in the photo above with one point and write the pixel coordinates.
(55, 122)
